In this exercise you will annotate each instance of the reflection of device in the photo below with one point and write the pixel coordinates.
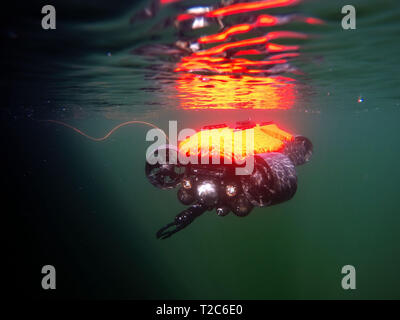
(207, 186)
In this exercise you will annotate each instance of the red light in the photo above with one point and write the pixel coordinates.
(250, 6)
(224, 47)
(222, 91)
(273, 47)
(247, 52)
(233, 82)
(284, 55)
(250, 42)
(184, 17)
(241, 28)
(267, 21)
(311, 20)
(163, 2)
(286, 34)
(262, 21)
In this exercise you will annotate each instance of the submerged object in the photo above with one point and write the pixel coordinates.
(207, 185)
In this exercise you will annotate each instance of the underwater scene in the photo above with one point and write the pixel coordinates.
(89, 88)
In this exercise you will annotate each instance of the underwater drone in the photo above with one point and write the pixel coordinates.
(204, 187)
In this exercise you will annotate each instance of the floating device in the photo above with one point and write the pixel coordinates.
(207, 186)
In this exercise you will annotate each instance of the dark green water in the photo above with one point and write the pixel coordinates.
(87, 208)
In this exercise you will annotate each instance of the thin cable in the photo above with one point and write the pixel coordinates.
(109, 133)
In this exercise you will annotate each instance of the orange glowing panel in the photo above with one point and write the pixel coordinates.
(250, 6)
(235, 92)
(229, 143)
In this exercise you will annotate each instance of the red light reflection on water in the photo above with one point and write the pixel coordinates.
(250, 6)
(233, 81)
(220, 49)
(232, 66)
(235, 92)
(262, 21)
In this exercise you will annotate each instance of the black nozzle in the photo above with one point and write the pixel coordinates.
(181, 221)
